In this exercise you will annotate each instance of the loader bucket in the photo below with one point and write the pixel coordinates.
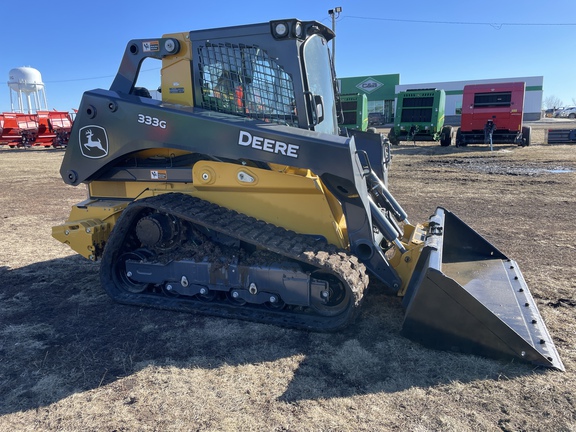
(466, 295)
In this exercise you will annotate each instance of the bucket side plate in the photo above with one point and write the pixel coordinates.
(466, 296)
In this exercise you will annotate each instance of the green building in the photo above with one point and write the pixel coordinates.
(379, 89)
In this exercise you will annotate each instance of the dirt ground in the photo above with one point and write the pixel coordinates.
(71, 359)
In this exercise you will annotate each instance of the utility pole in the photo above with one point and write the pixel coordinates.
(333, 13)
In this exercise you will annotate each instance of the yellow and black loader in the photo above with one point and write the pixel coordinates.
(237, 195)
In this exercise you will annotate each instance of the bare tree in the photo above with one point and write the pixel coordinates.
(552, 102)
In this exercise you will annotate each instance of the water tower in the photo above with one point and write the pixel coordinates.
(27, 83)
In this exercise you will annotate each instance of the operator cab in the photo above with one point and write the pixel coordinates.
(278, 72)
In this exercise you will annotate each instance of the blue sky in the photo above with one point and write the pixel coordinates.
(78, 45)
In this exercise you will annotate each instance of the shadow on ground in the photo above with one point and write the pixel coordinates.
(60, 334)
(428, 148)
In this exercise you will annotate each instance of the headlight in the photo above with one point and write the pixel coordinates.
(280, 29)
(288, 29)
(298, 30)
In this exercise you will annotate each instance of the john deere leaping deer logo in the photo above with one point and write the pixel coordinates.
(93, 141)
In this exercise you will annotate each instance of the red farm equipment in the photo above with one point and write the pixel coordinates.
(492, 113)
(53, 128)
(45, 128)
(19, 130)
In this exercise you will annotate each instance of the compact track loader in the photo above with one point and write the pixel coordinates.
(236, 196)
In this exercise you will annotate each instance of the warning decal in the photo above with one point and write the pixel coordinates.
(151, 46)
(158, 175)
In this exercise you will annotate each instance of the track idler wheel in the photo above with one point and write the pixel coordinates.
(124, 277)
(207, 295)
(235, 298)
(275, 303)
(333, 300)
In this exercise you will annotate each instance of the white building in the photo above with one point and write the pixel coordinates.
(453, 89)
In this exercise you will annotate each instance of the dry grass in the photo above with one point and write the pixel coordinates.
(71, 359)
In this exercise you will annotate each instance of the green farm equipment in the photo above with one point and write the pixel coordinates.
(420, 117)
(354, 107)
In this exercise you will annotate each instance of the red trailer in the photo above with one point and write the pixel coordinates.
(46, 134)
(62, 125)
(18, 129)
(53, 128)
(492, 113)
(45, 128)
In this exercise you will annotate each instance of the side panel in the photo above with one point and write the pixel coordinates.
(294, 201)
(177, 73)
(124, 124)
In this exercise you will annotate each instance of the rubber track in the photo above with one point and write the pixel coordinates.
(319, 254)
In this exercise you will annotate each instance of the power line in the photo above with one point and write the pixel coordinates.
(494, 25)
(79, 79)
(93, 78)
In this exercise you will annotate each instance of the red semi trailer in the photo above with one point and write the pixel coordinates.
(492, 113)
